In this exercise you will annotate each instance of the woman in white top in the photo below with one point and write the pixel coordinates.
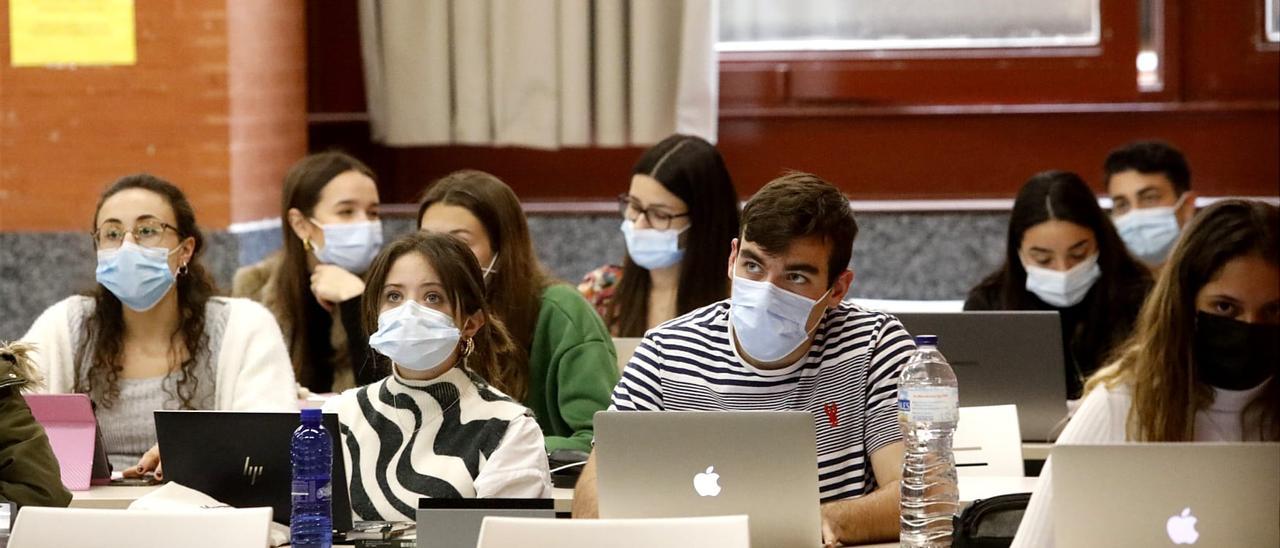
(152, 335)
(1202, 362)
(434, 428)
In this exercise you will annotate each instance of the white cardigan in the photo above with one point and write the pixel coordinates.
(253, 368)
(1101, 419)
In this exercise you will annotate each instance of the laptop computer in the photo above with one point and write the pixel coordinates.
(1165, 494)
(455, 523)
(72, 428)
(709, 463)
(1012, 357)
(242, 458)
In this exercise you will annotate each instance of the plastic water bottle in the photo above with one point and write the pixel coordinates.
(928, 410)
(311, 521)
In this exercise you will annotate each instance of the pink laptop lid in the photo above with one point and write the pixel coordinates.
(69, 422)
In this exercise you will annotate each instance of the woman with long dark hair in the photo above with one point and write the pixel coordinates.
(331, 232)
(1064, 254)
(563, 365)
(1202, 362)
(679, 216)
(436, 416)
(152, 335)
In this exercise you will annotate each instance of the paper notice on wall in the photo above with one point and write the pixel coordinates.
(71, 32)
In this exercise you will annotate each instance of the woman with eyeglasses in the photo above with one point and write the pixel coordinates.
(678, 219)
(563, 365)
(152, 335)
(331, 232)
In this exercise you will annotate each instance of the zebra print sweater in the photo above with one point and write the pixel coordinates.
(451, 437)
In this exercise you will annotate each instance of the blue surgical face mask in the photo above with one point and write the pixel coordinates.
(1149, 233)
(415, 337)
(351, 246)
(1063, 289)
(138, 276)
(653, 249)
(769, 322)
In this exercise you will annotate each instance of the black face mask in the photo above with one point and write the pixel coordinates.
(1235, 355)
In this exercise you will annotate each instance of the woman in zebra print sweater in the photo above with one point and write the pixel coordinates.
(434, 428)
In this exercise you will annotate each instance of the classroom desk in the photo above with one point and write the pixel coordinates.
(971, 488)
(119, 497)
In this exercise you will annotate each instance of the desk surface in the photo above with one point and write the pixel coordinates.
(971, 488)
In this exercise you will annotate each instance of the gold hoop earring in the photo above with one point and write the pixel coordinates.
(468, 346)
(306, 244)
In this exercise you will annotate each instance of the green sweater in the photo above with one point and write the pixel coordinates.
(572, 369)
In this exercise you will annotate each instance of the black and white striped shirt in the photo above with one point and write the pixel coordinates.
(848, 381)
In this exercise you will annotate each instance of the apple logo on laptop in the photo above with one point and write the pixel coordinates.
(707, 483)
(1182, 528)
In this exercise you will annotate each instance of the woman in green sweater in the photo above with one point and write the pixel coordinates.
(565, 366)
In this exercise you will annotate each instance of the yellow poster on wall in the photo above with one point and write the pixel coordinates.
(71, 32)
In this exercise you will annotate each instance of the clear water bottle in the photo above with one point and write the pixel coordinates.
(311, 521)
(928, 410)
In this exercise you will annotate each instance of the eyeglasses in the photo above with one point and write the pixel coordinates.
(657, 218)
(146, 233)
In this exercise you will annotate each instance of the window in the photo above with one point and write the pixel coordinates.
(782, 55)
(1273, 20)
(807, 25)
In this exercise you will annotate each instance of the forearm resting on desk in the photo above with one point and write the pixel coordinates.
(584, 493)
(871, 518)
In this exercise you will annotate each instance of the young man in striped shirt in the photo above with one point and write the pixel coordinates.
(786, 341)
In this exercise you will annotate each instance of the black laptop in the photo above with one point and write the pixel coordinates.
(242, 458)
(1002, 357)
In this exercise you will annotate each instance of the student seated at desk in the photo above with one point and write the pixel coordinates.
(1063, 254)
(785, 341)
(564, 364)
(434, 428)
(1202, 363)
(1151, 197)
(678, 217)
(152, 335)
(29, 473)
(331, 232)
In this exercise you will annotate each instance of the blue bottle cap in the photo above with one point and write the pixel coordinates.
(312, 413)
(926, 340)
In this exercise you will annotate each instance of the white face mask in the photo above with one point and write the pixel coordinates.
(351, 246)
(415, 337)
(1063, 289)
(651, 248)
(1150, 233)
(769, 322)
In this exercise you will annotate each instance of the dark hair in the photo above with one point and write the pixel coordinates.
(798, 205)
(460, 275)
(1114, 298)
(514, 288)
(1149, 157)
(102, 344)
(692, 169)
(1157, 362)
(304, 323)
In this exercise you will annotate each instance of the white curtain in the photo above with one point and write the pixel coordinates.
(539, 73)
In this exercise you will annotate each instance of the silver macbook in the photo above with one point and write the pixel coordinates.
(1202, 495)
(708, 463)
(1004, 358)
(455, 523)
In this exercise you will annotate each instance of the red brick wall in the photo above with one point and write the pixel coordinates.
(66, 133)
(268, 83)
